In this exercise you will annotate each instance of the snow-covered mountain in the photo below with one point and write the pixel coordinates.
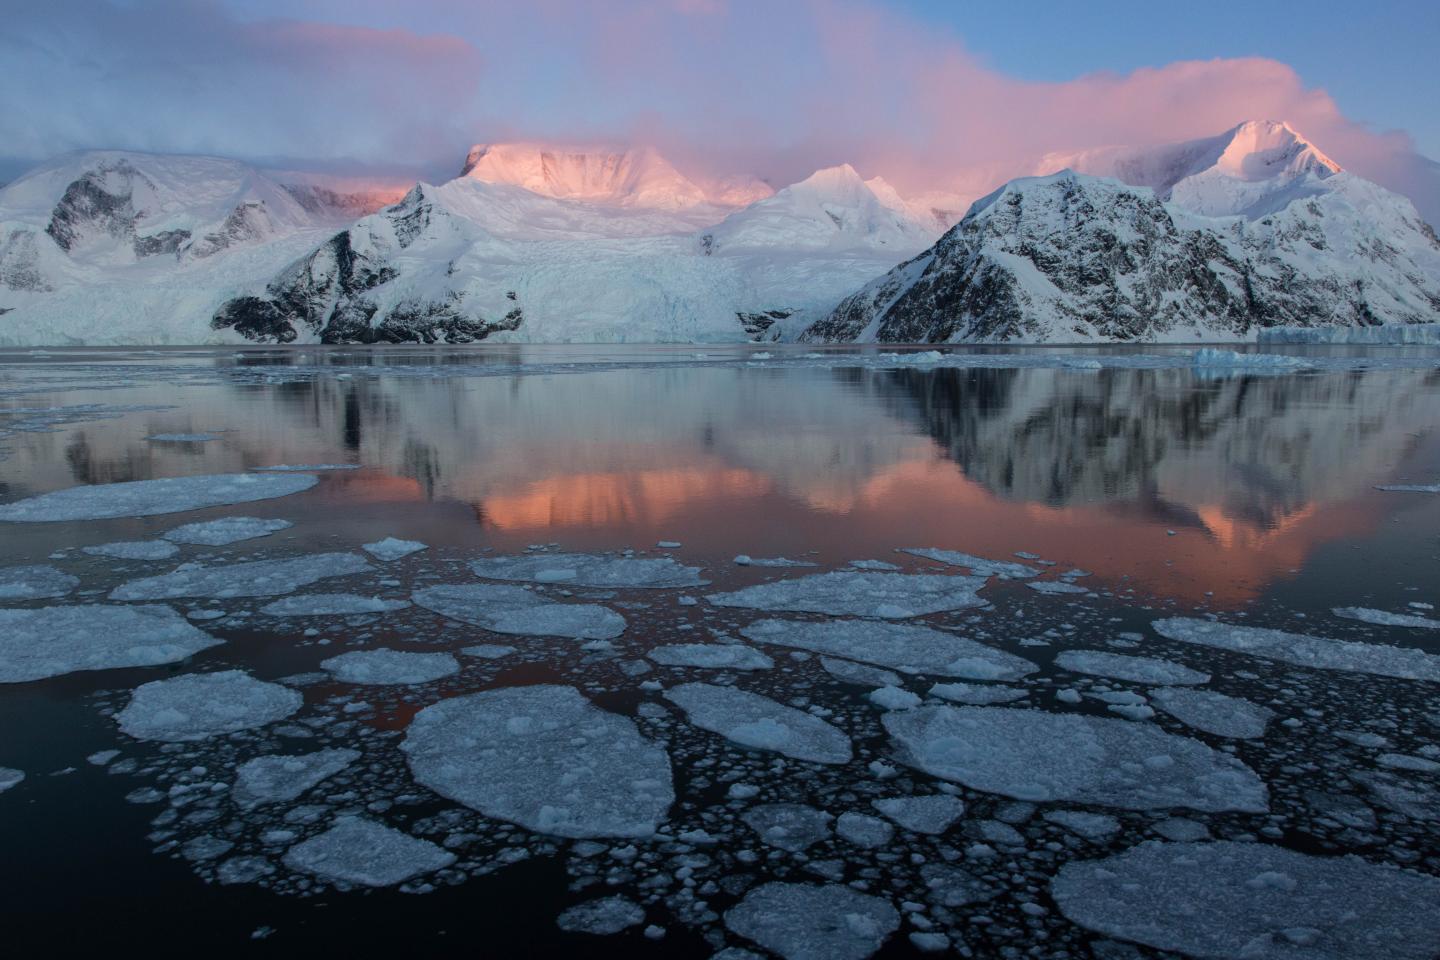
(1219, 237)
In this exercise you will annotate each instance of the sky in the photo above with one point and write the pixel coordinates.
(933, 94)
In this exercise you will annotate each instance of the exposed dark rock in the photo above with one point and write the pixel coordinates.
(756, 324)
(166, 241)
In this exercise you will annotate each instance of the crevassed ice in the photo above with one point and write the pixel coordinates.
(1038, 756)
(603, 918)
(1384, 618)
(907, 648)
(218, 533)
(392, 549)
(277, 777)
(1119, 666)
(862, 594)
(1303, 650)
(383, 667)
(760, 723)
(134, 550)
(544, 757)
(38, 582)
(144, 498)
(50, 641)
(929, 814)
(589, 570)
(257, 578)
(1214, 713)
(980, 566)
(976, 693)
(1229, 899)
(515, 610)
(10, 777)
(361, 851)
(330, 604)
(719, 656)
(805, 921)
(201, 705)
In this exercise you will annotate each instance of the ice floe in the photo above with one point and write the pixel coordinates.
(544, 757)
(305, 467)
(842, 593)
(1091, 826)
(1056, 587)
(745, 560)
(227, 530)
(1384, 618)
(1229, 899)
(981, 567)
(10, 777)
(904, 647)
(930, 814)
(392, 549)
(384, 667)
(145, 498)
(45, 642)
(1119, 666)
(1214, 713)
(718, 656)
(257, 578)
(38, 582)
(803, 921)
(516, 610)
(182, 437)
(603, 918)
(200, 705)
(760, 723)
(860, 674)
(278, 777)
(589, 570)
(1211, 357)
(864, 830)
(977, 694)
(1303, 650)
(134, 550)
(488, 651)
(330, 604)
(1410, 487)
(1039, 756)
(360, 851)
(788, 826)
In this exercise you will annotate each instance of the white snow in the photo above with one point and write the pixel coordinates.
(50, 641)
(760, 723)
(145, 498)
(1214, 713)
(979, 566)
(803, 921)
(543, 757)
(977, 694)
(893, 698)
(929, 814)
(717, 656)
(1119, 666)
(1039, 756)
(200, 705)
(1384, 618)
(134, 550)
(277, 777)
(602, 918)
(515, 610)
(360, 851)
(330, 604)
(904, 647)
(34, 583)
(392, 549)
(10, 777)
(589, 570)
(1304, 650)
(257, 578)
(841, 593)
(384, 667)
(218, 533)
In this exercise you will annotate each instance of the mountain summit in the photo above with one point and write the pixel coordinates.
(638, 177)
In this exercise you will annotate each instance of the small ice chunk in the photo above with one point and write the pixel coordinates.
(603, 918)
(760, 723)
(788, 826)
(842, 593)
(589, 570)
(668, 544)
(859, 674)
(42, 642)
(227, 530)
(145, 498)
(1214, 713)
(10, 777)
(1304, 650)
(330, 604)
(134, 550)
(257, 578)
(277, 777)
(976, 693)
(200, 705)
(1119, 666)
(716, 656)
(488, 651)
(393, 549)
(360, 851)
(802, 921)
(1384, 618)
(385, 667)
(931, 814)
(904, 647)
(515, 610)
(979, 566)
(34, 583)
(864, 830)
(1056, 586)
(745, 560)
(1091, 826)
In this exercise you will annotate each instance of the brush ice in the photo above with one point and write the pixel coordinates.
(976, 693)
(277, 777)
(804, 921)
(932, 814)
(257, 578)
(45, 642)
(393, 549)
(331, 604)
(760, 723)
(361, 851)
(1384, 618)
(1214, 713)
(589, 570)
(907, 648)
(37, 582)
(842, 593)
(979, 566)
(134, 550)
(383, 667)
(1303, 650)
(1119, 666)
(1228, 899)
(515, 610)
(1038, 756)
(717, 656)
(602, 918)
(10, 777)
(201, 705)
(788, 826)
(227, 530)
(146, 498)
(544, 757)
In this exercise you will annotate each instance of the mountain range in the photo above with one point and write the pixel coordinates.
(1210, 239)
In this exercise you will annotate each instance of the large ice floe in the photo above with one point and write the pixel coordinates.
(715, 656)
(904, 647)
(360, 851)
(1214, 713)
(330, 605)
(1119, 666)
(383, 667)
(227, 530)
(278, 777)
(544, 757)
(45, 642)
(589, 570)
(200, 705)
(134, 550)
(980, 566)
(1253, 900)
(39, 582)
(1384, 618)
(804, 921)
(145, 498)
(760, 723)
(257, 578)
(516, 610)
(1039, 756)
(860, 594)
(1303, 650)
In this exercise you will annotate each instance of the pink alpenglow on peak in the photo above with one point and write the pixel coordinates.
(635, 177)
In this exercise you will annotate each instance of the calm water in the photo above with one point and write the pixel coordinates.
(1246, 495)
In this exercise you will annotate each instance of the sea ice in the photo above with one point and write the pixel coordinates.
(1119, 666)
(45, 642)
(718, 656)
(488, 651)
(589, 570)
(864, 830)
(200, 705)
(146, 498)
(227, 530)
(515, 610)
(1039, 756)
(1254, 900)
(841, 593)
(904, 647)
(1384, 618)
(1214, 713)
(356, 850)
(393, 549)
(257, 578)
(385, 667)
(760, 723)
(134, 550)
(305, 467)
(929, 814)
(1056, 587)
(10, 777)
(1303, 650)
(976, 693)
(874, 565)
(603, 918)
(803, 921)
(182, 437)
(1091, 826)
(1410, 487)
(34, 583)
(860, 674)
(1211, 357)
(277, 777)
(745, 560)
(979, 566)
(893, 698)
(330, 604)
(544, 757)
(788, 826)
